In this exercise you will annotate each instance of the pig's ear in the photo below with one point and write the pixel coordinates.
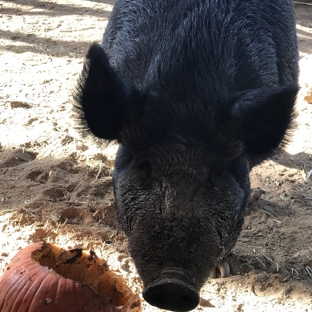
(265, 115)
(102, 98)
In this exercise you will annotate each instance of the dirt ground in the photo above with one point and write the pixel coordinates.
(55, 185)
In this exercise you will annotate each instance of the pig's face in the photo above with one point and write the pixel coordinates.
(190, 123)
(182, 212)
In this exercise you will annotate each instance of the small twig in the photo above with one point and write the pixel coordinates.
(266, 212)
(21, 217)
(309, 270)
(304, 2)
(302, 198)
(55, 218)
(277, 221)
(74, 203)
(261, 263)
(269, 259)
(277, 267)
(294, 271)
(3, 212)
(269, 214)
(99, 172)
(306, 176)
(63, 224)
(29, 212)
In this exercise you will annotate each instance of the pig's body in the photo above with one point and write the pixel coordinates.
(196, 92)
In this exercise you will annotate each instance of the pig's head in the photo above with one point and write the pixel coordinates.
(181, 176)
(182, 212)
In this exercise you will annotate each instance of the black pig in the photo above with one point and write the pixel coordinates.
(196, 92)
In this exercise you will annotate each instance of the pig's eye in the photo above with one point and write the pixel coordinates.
(145, 166)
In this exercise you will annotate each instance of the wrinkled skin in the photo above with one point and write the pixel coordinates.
(186, 213)
(196, 92)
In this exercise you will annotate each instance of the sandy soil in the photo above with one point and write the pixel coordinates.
(55, 185)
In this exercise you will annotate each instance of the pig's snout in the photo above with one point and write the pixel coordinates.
(171, 292)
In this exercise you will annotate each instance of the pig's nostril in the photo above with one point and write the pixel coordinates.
(156, 298)
(174, 295)
(185, 300)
